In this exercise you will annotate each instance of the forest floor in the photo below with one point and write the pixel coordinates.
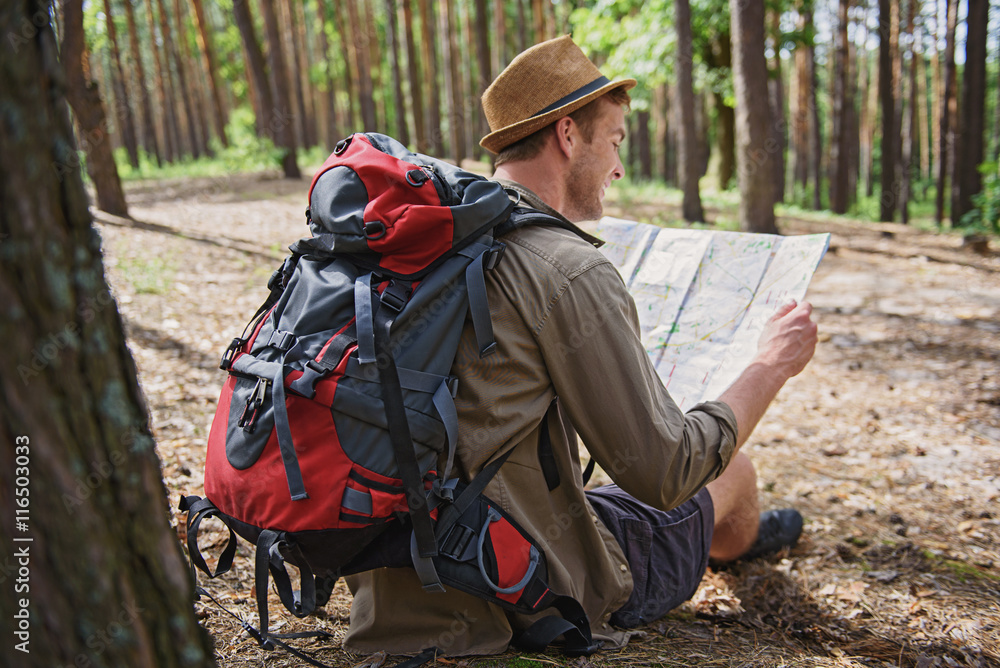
(889, 442)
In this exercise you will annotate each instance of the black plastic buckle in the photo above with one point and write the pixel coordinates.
(493, 255)
(227, 357)
(457, 543)
(396, 295)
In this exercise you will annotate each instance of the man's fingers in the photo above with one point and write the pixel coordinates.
(784, 309)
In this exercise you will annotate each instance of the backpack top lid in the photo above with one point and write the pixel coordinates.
(397, 212)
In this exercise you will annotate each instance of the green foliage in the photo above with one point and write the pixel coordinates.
(246, 153)
(985, 218)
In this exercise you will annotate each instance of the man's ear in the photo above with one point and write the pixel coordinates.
(567, 134)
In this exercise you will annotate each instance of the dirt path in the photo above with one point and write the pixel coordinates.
(889, 442)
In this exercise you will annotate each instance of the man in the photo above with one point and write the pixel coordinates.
(569, 361)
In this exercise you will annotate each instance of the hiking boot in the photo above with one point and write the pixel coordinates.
(778, 529)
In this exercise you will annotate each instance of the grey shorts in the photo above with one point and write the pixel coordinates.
(667, 552)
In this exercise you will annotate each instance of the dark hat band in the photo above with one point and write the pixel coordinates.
(575, 95)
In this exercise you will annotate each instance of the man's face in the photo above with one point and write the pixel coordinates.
(596, 165)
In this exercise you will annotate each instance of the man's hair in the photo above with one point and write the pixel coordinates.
(585, 117)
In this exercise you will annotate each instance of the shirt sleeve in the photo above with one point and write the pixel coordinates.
(613, 396)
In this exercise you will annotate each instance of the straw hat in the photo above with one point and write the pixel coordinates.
(540, 86)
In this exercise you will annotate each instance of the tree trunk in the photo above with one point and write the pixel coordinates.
(839, 140)
(687, 149)
(971, 135)
(521, 33)
(289, 31)
(642, 139)
(168, 119)
(208, 57)
(909, 120)
(922, 118)
(350, 64)
(281, 117)
(719, 55)
(470, 82)
(186, 123)
(308, 89)
(194, 100)
(779, 124)
(375, 62)
(392, 39)
(664, 149)
(416, 83)
(149, 141)
(483, 54)
(947, 111)
(358, 44)
(88, 109)
(887, 100)
(752, 118)
(815, 133)
(255, 68)
(701, 126)
(800, 114)
(453, 82)
(102, 579)
(538, 14)
(430, 70)
(123, 115)
(500, 37)
(332, 120)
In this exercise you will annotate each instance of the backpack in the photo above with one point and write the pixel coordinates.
(335, 432)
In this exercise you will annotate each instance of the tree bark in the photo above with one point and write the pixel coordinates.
(255, 67)
(332, 116)
(839, 140)
(909, 120)
(281, 116)
(88, 109)
(149, 139)
(302, 41)
(416, 82)
(719, 56)
(485, 77)
(453, 82)
(800, 113)
(123, 108)
(500, 37)
(538, 14)
(887, 100)
(430, 70)
(815, 133)
(664, 139)
(971, 135)
(687, 150)
(285, 13)
(779, 124)
(359, 48)
(350, 64)
(168, 118)
(752, 118)
(375, 62)
(185, 65)
(645, 156)
(922, 118)
(185, 122)
(947, 111)
(207, 49)
(106, 581)
(392, 39)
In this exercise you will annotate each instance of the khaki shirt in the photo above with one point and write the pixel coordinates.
(565, 327)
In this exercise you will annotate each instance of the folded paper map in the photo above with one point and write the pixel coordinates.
(704, 296)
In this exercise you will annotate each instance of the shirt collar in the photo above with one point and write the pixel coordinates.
(536, 202)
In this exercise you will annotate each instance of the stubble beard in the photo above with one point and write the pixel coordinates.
(583, 193)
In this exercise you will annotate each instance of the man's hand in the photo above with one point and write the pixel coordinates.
(788, 340)
(785, 347)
